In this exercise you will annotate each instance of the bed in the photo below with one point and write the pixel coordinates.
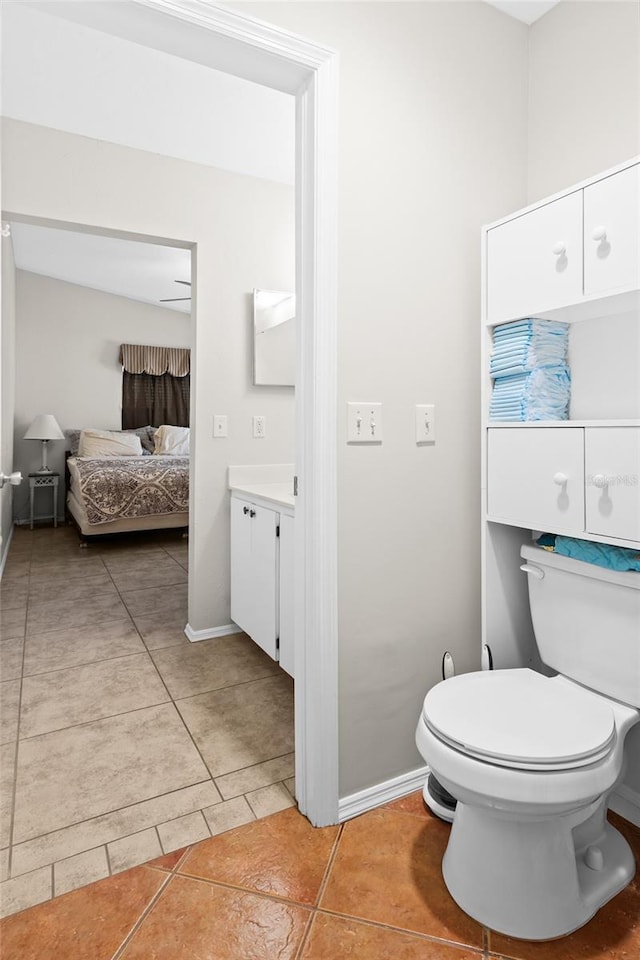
(120, 494)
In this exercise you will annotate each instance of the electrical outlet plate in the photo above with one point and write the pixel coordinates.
(259, 427)
(364, 422)
(425, 423)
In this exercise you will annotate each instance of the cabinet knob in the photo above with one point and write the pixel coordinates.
(559, 248)
(560, 479)
(600, 480)
(600, 233)
(252, 513)
(245, 510)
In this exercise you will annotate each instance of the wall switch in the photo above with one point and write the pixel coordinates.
(220, 425)
(259, 427)
(425, 423)
(364, 422)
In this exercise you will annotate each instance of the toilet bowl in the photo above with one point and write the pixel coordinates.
(531, 761)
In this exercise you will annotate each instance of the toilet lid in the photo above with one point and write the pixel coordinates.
(519, 718)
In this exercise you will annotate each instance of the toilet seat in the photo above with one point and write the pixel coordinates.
(520, 719)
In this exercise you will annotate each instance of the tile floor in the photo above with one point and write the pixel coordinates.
(120, 739)
(278, 889)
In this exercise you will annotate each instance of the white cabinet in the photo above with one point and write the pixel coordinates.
(578, 481)
(612, 467)
(536, 478)
(287, 567)
(566, 252)
(254, 573)
(534, 262)
(262, 572)
(611, 233)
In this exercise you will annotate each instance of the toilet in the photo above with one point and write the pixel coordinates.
(532, 759)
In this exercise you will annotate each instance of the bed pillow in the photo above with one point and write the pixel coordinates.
(172, 441)
(146, 437)
(73, 440)
(109, 443)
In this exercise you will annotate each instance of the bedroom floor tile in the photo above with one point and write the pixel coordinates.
(12, 622)
(106, 763)
(242, 725)
(81, 772)
(11, 658)
(65, 698)
(73, 646)
(157, 601)
(203, 666)
(61, 614)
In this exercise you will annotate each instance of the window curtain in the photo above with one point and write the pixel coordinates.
(155, 386)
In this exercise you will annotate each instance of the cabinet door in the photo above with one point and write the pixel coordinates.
(534, 262)
(287, 571)
(611, 232)
(613, 481)
(253, 572)
(536, 478)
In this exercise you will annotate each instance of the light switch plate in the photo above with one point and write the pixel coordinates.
(425, 423)
(220, 425)
(364, 422)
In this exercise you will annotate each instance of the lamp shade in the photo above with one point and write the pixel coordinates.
(44, 427)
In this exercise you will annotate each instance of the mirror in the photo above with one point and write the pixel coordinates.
(274, 315)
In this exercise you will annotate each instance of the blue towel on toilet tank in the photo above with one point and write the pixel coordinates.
(602, 554)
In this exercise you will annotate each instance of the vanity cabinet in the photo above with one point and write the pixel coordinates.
(566, 250)
(262, 568)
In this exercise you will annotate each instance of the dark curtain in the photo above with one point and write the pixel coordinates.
(151, 400)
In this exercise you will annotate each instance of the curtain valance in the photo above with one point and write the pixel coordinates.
(136, 358)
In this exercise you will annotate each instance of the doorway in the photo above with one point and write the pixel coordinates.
(264, 54)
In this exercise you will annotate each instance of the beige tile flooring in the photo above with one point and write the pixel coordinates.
(120, 739)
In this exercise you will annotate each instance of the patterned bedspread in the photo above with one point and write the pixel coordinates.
(121, 488)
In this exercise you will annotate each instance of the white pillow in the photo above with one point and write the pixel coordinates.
(172, 441)
(108, 443)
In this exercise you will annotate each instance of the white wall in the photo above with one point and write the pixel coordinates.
(84, 329)
(584, 92)
(7, 377)
(244, 236)
(432, 145)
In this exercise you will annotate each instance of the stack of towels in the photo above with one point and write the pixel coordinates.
(530, 372)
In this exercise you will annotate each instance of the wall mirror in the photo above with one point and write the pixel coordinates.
(274, 338)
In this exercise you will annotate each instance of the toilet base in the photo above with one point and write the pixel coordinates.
(535, 879)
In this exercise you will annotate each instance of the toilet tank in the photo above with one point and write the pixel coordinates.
(586, 621)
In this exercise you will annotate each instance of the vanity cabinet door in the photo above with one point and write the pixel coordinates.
(287, 573)
(611, 233)
(254, 572)
(612, 460)
(534, 262)
(536, 478)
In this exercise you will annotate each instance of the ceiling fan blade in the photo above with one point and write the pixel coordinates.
(173, 299)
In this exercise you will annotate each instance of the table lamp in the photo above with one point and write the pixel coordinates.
(44, 427)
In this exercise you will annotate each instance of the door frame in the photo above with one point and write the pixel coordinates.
(263, 53)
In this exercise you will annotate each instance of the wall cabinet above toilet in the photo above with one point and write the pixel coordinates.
(566, 251)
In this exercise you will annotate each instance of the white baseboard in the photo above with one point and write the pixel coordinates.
(210, 632)
(5, 551)
(381, 793)
(626, 802)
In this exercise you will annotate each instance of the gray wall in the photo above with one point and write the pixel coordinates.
(432, 145)
(584, 92)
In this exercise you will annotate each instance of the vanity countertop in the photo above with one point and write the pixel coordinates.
(280, 494)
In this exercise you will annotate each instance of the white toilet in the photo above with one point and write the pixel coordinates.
(532, 760)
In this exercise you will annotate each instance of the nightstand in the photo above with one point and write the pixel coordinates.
(36, 482)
